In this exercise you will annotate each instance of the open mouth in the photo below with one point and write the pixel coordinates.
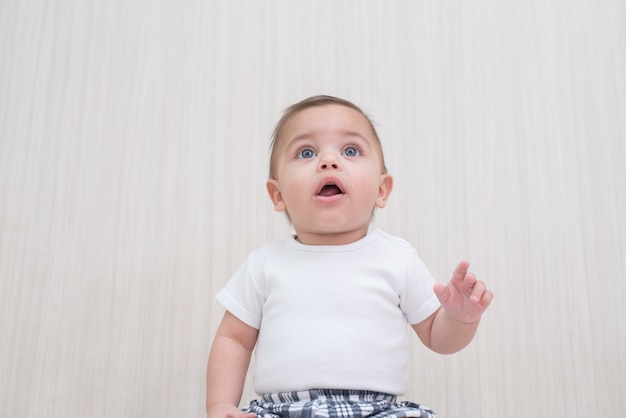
(330, 189)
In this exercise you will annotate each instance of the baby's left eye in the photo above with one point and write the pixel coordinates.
(306, 153)
(351, 152)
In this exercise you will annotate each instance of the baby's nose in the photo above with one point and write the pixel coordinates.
(328, 163)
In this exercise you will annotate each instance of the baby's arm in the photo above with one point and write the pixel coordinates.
(228, 364)
(463, 300)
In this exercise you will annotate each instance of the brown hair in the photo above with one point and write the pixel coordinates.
(314, 101)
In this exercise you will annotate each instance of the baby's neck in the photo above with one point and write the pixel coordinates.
(332, 238)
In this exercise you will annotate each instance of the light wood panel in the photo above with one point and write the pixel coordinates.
(133, 148)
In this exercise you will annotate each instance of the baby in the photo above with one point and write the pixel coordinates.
(327, 308)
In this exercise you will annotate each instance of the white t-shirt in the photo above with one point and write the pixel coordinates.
(332, 317)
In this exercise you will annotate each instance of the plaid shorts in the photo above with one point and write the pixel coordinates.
(324, 403)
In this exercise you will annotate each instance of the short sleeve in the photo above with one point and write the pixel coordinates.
(418, 300)
(243, 296)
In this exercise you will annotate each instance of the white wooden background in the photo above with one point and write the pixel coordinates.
(133, 148)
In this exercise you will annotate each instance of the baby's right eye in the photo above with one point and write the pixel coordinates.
(306, 153)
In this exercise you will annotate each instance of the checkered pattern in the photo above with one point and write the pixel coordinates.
(322, 403)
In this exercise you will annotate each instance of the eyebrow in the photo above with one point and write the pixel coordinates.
(310, 135)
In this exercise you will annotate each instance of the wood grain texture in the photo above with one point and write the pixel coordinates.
(133, 155)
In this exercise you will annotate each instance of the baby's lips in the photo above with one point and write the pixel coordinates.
(330, 190)
(329, 186)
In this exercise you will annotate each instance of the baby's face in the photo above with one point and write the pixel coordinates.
(329, 175)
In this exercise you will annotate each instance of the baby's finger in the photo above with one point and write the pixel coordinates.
(442, 292)
(478, 291)
(485, 300)
(470, 280)
(460, 271)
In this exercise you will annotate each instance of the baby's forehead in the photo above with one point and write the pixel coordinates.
(330, 118)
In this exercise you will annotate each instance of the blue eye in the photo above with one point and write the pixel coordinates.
(351, 152)
(306, 153)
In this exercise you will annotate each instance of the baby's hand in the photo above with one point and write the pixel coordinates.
(225, 410)
(464, 298)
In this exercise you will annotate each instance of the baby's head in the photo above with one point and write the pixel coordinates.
(315, 101)
(327, 170)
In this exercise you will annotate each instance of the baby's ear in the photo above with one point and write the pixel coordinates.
(384, 190)
(273, 189)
